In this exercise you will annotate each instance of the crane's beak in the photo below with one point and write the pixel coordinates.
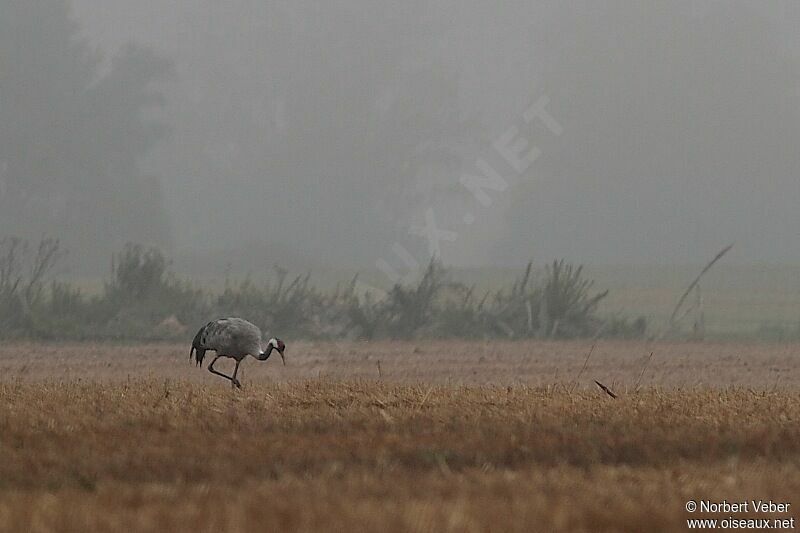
(282, 356)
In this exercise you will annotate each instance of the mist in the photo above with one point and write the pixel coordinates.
(339, 135)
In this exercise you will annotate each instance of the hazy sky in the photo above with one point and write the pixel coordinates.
(332, 132)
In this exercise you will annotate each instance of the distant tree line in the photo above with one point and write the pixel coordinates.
(328, 119)
(305, 103)
(143, 300)
(73, 132)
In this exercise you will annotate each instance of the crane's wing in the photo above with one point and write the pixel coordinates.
(227, 336)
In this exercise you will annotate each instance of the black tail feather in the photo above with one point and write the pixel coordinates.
(197, 349)
(199, 355)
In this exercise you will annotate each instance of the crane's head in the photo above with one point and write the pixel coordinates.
(277, 344)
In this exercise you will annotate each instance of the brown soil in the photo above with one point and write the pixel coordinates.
(532, 363)
(448, 437)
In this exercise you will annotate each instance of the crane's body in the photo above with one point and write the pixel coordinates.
(235, 338)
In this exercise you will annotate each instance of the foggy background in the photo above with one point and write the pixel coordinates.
(315, 135)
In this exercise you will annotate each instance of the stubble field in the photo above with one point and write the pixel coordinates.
(396, 437)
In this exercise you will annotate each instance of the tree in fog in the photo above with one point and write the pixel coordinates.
(325, 127)
(73, 131)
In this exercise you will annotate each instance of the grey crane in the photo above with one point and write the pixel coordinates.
(235, 338)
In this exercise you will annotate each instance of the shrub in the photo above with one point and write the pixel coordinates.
(567, 305)
(144, 300)
(23, 276)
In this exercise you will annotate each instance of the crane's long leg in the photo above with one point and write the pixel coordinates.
(233, 380)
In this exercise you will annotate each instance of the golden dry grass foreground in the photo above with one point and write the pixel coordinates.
(90, 447)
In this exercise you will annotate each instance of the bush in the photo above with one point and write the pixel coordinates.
(23, 275)
(142, 294)
(144, 300)
(137, 273)
(567, 306)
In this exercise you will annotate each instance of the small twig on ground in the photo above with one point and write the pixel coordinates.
(605, 389)
(638, 381)
(585, 362)
(775, 385)
(425, 399)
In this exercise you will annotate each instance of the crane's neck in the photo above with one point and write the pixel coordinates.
(263, 356)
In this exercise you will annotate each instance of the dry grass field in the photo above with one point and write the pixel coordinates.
(444, 437)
